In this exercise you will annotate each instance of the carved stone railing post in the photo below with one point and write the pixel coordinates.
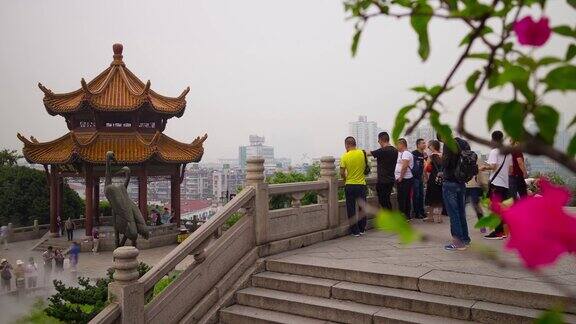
(297, 199)
(255, 178)
(328, 173)
(125, 289)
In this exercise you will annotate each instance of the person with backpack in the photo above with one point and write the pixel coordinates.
(69, 225)
(434, 184)
(386, 157)
(404, 177)
(20, 276)
(420, 157)
(59, 261)
(459, 166)
(6, 275)
(498, 165)
(353, 170)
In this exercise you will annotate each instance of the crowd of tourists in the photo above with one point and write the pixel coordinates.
(432, 181)
(25, 275)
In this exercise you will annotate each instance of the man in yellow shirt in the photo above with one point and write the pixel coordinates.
(352, 167)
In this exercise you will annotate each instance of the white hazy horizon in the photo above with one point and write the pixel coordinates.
(278, 69)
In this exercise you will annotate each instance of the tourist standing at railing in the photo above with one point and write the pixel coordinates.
(498, 185)
(95, 240)
(404, 177)
(6, 275)
(453, 194)
(32, 273)
(47, 256)
(4, 236)
(166, 216)
(518, 174)
(69, 229)
(386, 157)
(434, 184)
(420, 157)
(352, 170)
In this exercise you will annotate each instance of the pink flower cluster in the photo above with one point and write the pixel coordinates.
(532, 33)
(540, 228)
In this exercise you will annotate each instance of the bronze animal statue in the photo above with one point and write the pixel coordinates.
(127, 218)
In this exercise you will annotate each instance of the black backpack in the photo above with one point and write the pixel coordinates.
(5, 273)
(466, 166)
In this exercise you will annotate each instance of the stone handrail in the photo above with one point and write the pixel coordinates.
(287, 188)
(108, 315)
(223, 261)
(196, 240)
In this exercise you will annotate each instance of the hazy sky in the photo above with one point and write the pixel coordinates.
(281, 69)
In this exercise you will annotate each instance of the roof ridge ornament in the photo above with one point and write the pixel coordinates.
(117, 49)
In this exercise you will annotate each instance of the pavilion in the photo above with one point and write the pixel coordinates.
(117, 112)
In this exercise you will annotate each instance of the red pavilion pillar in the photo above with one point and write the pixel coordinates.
(89, 211)
(60, 197)
(175, 196)
(143, 192)
(97, 200)
(53, 200)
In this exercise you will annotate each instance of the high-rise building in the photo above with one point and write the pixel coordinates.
(424, 131)
(256, 148)
(225, 182)
(365, 132)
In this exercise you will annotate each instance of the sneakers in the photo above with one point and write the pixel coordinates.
(355, 235)
(495, 236)
(362, 233)
(455, 247)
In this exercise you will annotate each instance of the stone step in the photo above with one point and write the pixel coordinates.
(294, 283)
(513, 292)
(238, 314)
(331, 309)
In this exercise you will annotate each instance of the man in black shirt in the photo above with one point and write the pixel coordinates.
(453, 193)
(386, 157)
(418, 173)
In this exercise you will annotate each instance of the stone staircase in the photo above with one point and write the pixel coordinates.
(323, 291)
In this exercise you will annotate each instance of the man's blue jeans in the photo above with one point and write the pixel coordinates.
(454, 195)
(418, 199)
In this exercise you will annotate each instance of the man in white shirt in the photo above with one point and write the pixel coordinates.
(404, 177)
(499, 165)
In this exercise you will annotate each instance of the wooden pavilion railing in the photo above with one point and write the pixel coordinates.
(214, 262)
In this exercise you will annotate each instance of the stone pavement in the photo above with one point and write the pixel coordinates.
(378, 250)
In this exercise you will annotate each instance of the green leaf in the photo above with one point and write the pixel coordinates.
(491, 221)
(485, 30)
(444, 131)
(355, 41)
(513, 119)
(422, 89)
(401, 122)
(419, 20)
(547, 119)
(561, 78)
(572, 3)
(570, 52)
(564, 30)
(547, 60)
(571, 151)
(514, 74)
(435, 90)
(495, 113)
(552, 316)
(528, 62)
(394, 222)
(471, 81)
(475, 10)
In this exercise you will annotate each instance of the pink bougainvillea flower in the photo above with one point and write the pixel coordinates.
(540, 228)
(532, 33)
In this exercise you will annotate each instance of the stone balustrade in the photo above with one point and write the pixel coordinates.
(218, 260)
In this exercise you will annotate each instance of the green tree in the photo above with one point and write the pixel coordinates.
(284, 201)
(24, 196)
(9, 157)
